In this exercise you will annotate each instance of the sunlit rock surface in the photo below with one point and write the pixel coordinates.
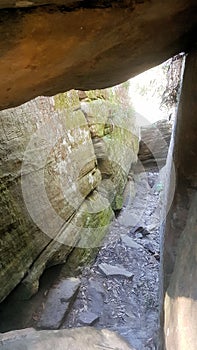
(154, 144)
(115, 138)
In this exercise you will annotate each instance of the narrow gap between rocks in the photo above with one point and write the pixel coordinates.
(120, 290)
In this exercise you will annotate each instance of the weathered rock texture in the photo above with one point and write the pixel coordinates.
(115, 139)
(154, 144)
(180, 240)
(52, 48)
(86, 338)
(54, 196)
(86, 45)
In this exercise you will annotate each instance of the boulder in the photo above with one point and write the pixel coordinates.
(86, 338)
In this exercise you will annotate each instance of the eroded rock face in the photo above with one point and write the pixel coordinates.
(54, 159)
(86, 338)
(55, 203)
(116, 143)
(50, 49)
(154, 144)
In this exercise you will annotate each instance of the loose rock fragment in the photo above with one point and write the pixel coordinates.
(58, 303)
(88, 318)
(130, 242)
(111, 270)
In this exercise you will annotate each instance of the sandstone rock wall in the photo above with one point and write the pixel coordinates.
(180, 244)
(86, 44)
(115, 139)
(154, 144)
(54, 195)
(49, 49)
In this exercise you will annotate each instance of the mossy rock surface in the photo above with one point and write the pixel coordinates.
(115, 127)
(94, 218)
(54, 137)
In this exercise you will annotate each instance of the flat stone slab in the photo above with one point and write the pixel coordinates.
(96, 294)
(127, 219)
(111, 270)
(130, 242)
(85, 338)
(58, 303)
(88, 318)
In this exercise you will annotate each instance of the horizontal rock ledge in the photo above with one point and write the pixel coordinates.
(49, 49)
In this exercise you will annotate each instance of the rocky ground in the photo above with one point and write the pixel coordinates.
(119, 291)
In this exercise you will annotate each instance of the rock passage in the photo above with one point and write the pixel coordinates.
(119, 291)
